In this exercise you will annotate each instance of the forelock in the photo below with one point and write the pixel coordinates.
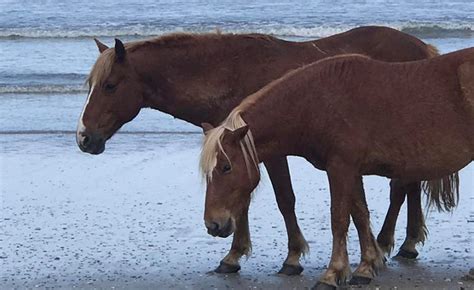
(212, 145)
(102, 68)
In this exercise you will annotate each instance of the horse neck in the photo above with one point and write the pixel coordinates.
(271, 137)
(204, 82)
(275, 116)
(295, 115)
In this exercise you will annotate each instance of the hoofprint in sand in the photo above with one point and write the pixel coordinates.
(133, 217)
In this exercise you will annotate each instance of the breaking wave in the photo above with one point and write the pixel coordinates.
(446, 30)
(437, 31)
(42, 89)
(54, 83)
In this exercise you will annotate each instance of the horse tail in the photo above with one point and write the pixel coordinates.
(432, 51)
(442, 193)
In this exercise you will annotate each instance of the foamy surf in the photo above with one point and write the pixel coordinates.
(428, 30)
(43, 89)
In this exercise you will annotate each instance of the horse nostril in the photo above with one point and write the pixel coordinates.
(85, 140)
(212, 228)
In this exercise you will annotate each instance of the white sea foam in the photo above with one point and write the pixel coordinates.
(438, 30)
(43, 89)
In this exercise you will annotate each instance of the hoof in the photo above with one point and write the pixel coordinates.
(323, 286)
(225, 268)
(406, 254)
(358, 280)
(290, 270)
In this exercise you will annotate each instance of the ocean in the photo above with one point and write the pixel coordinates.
(46, 47)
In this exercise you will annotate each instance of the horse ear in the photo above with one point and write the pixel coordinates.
(206, 127)
(100, 45)
(238, 134)
(119, 50)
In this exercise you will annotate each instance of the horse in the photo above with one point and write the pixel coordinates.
(201, 78)
(350, 116)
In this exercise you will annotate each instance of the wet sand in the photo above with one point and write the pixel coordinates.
(133, 218)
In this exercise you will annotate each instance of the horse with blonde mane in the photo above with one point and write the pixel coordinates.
(201, 78)
(350, 116)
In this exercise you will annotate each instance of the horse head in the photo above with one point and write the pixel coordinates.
(115, 98)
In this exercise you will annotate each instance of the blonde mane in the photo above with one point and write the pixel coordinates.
(212, 144)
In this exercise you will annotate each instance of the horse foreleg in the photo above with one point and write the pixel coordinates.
(372, 257)
(416, 229)
(280, 177)
(342, 181)
(397, 197)
(241, 245)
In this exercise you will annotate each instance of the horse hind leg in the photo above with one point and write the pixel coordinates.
(241, 245)
(297, 246)
(385, 238)
(416, 228)
(443, 193)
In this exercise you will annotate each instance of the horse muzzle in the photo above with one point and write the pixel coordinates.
(90, 143)
(220, 229)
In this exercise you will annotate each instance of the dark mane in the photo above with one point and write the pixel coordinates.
(103, 65)
(183, 39)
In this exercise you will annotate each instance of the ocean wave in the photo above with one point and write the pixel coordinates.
(134, 30)
(41, 78)
(38, 83)
(437, 31)
(431, 30)
(42, 89)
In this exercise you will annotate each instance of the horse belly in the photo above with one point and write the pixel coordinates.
(435, 162)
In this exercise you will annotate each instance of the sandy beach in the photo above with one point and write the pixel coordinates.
(132, 218)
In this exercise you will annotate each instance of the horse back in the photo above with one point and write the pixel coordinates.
(382, 43)
(429, 108)
(401, 116)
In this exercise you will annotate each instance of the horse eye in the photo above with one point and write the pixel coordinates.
(109, 87)
(226, 168)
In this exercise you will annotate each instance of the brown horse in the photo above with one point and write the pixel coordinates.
(350, 116)
(201, 78)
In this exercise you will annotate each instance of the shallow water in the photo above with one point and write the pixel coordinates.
(47, 49)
